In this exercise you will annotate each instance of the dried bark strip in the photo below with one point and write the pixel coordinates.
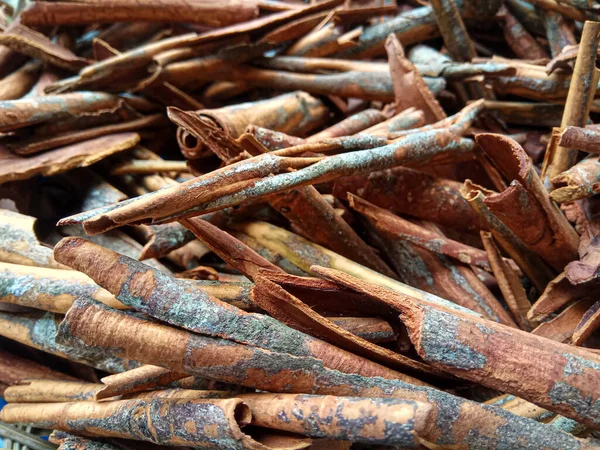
(21, 113)
(203, 423)
(230, 362)
(402, 190)
(509, 283)
(52, 290)
(136, 380)
(370, 421)
(435, 147)
(580, 139)
(31, 43)
(524, 207)
(403, 229)
(581, 95)
(19, 243)
(175, 302)
(590, 322)
(521, 42)
(370, 329)
(81, 154)
(531, 264)
(562, 327)
(350, 125)
(28, 146)
(38, 330)
(290, 310)
(580, 181)
(229, 12)
(305, 254)
(46, 391)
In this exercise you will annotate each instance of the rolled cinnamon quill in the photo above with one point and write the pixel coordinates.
(231, 362)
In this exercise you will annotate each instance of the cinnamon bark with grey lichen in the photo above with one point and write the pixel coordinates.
(581, 139)
(580, 181)
(350, 125)
(47, 391)
(175, 302)
(52, 290)
(19, 243)
(407, 119)
(433, 147)
(230, 362)
(204, 423)
(38, 330)
(290, 310)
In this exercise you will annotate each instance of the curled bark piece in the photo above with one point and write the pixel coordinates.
(144, 167)
(52, 290)
(67, 441)
(435, 146)
(24, 112)
(290, 310)
(210, 423)
(521, 113)
(420, 236)
(461, 286)
(580, 139)
(407, 191)
(38, 330)
(18, 83)
(19, 243)
(135, 380)
(360, 420)
(305, 254)
(368, 328)
(562, 327)
(31, 43)
(230, 362)
(164, 239)
(508, 281)
(589, 323)
(532, 265)
(36, 144)
(174, 301)
(15, 369)
(479, 350)
(81, 154)
(522, 43)
(559, 293)
(580, 181)
(409, 88)
(84, 12)
(407, 119)
(582, 91)
(547, 232)
(46, 391)
(295, 113)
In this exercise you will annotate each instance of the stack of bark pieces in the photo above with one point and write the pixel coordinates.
(269, 224)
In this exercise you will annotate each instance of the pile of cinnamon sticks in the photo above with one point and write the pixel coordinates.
(270, 224)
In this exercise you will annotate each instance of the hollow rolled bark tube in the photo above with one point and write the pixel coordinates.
(25, 112)
(581, 139)
(38, 330)
(434, 147)
(47, 391)
(19, 243)
(580, 181)
(407, 191)
(565, 379)
(175, 302)
(546, 231)
(52, 290)
(199, 423)
(276, 372)
(368, 421)
(229, 12)
(292, 113)
(582, 91)
(18, 83)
